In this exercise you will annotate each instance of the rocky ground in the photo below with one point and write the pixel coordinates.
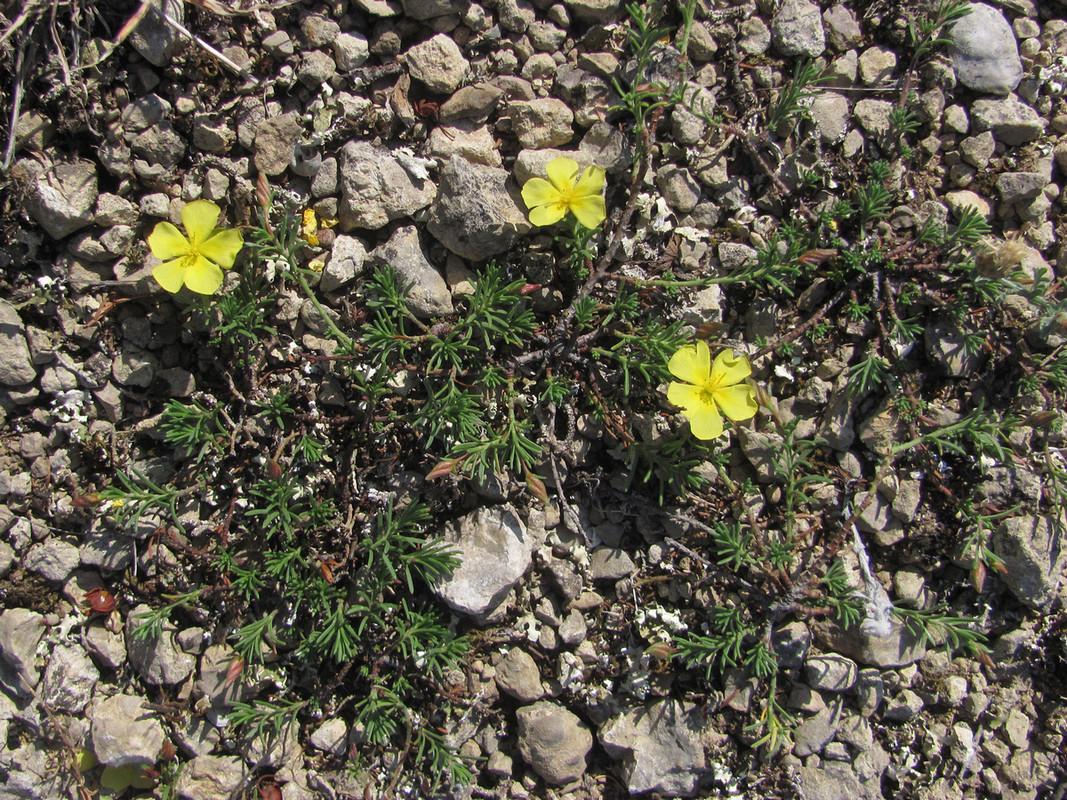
(552, 660)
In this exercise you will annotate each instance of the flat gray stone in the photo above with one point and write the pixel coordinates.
(69, 679)
(984, 52)
(553, 741)
(61, 199)
(796, 29)
(377, 189)
(1012, 121)
(125, 732)
(210, 778)
(518, 675)
(478, 212)
(428, 295)
(495, 550)
(1033, 550)
(660, 745)
(20, 632)
(16, 364)
(157, 660)
(438, 63)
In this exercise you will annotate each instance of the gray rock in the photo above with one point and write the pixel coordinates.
(876, 65)
(157, 660)
(33, 131)
(899, 649)
(791, 643)
(814, 733)
(830, 673)
(873, 115)
(610, 564)
(53, 559)
(275, 139)
(114, 210)
(478, 212)
(977, 150)
(134, 367)
(1012, 122)
(473, 142)
(475, 102)
(830, 781)
(109, 649)
(376, 188)
(159, 144)
(347, 256)
(1018, 187)
(30, 774)
(984, 52)
(680, 189)
(553, 741)
(594, 10)
(495, 550)
(125, 732)
(518, 675)
(905, 707)
(438, 63)
(830, 115)
(428, 9)
(842, 29)
(20, 632)
(606, 146)
(660, 746)
(319, 31)
(157, 41)
(210, 778)
(796, 29)
(278, 44)
(761, 449)
(61, 199)
(316, 68)
(540, 123)
(350, 51)
(946, 347)
(753, 36)
(106, 550)
(428, 295)
(69, 679)
(1032, 549)
(331, 737)
(572, 630)
(16, 364)
(214, 682)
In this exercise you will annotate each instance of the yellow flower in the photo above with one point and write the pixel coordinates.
(549, 201)
(709, 387)
(196, 261)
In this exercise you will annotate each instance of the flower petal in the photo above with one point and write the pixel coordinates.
(171, 274)
(730, 368)
(547, 215)
(223, 247)
(203, 277)
(692, 363)
(199, 218)
(563, 173)
(165, 241)
(684, 395)
(705, 421)
(590, 211)
(591, 182)
(737, 402)
(539, 192)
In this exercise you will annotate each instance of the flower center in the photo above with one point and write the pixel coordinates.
(708, 389)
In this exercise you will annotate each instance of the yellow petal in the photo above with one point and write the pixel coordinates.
(165, 241)
(199, 218)
(171, 274)
(563, 173)
(590, 211)
(203, 277)
(730, 368)
(223, 247)
(684, 395)
(737, 402)
(705, 421)
(547, 215)
(692, 363)
(539, 192)
(591, 182)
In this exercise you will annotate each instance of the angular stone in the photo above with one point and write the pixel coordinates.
(125, 732)
(478, 212)
(69, 679)
(1012, 122)
(796, 29)
(545, 122)
(377, 189)
(16, 364)
(438, 63)
(495, 551)
(553, 741)
(1033, 550)
(210, 778)
(20, 632)
(984, 52)
(157, 660)
(61, 199)
(157, 41)
(275, 139)
(518, 675)
(660, 745)
(427, 295)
